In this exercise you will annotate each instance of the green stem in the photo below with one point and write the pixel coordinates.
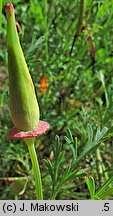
(36, 169)
(0, 14)
(16, 197)
(54, 195)
(105, 172)
(99, 167)
(79, 23)
(46, 30)
(81, 16)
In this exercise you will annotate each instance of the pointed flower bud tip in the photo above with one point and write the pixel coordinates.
(9, 7)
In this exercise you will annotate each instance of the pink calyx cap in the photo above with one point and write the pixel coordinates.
(10, 7)
(15, 134)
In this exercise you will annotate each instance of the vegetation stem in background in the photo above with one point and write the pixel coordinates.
(79, 24)
(46, 30)
(0, 14)
(99, 167)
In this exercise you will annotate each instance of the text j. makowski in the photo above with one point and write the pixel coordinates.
(50, 207)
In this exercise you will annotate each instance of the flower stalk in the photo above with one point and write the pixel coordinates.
(36, 169)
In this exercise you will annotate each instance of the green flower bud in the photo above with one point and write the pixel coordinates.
(23, 102)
